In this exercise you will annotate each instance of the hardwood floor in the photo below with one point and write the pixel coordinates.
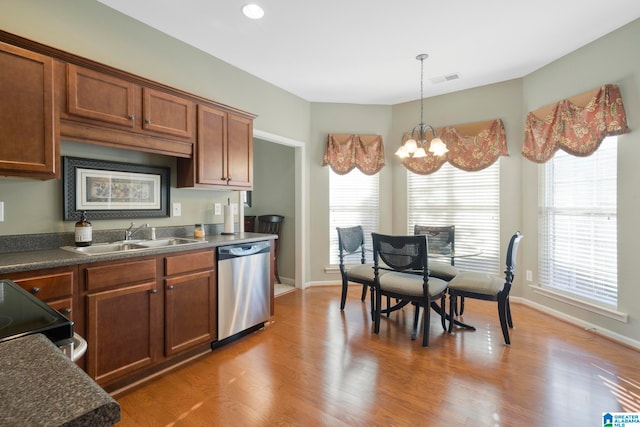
(316, 366)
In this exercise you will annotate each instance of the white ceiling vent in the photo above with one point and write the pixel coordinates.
(446, 78)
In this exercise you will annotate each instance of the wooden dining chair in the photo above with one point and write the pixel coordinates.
(404, 259)
(351, 247)
(272, 224)
(442, 240)
(488, 287)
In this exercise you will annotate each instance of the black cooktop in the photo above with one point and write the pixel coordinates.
(22, 314)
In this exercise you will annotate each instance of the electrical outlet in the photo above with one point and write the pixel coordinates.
(177, 209)
(1, 211)
(529, 276)
(217, 209)
(234, 208)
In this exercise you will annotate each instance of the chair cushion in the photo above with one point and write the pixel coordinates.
(442, 271)
(410, 284)
(479, 283)
(360, 272)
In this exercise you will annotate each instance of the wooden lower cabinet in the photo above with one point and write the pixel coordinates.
(190, 311)
(145, 314)
(122, 310)
(190, 316)
(121, 332)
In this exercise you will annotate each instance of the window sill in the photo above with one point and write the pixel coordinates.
(603, 311)
(332, 269)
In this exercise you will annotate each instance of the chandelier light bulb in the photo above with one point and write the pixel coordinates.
(402, 153)
(411, 146)
(438, 147)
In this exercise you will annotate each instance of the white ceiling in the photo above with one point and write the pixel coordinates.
(363, 51)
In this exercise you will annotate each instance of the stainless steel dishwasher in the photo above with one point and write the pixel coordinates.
(243, 287)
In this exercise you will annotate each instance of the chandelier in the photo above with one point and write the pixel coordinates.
(414, 146)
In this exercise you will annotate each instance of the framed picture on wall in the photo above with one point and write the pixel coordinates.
(110, 190)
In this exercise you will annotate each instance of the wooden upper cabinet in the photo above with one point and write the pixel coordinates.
(103, 108)
(99, 96)
(168, 114)
(223, 156)
(210, 146)
(240, 151)
(109, 99)
(29, 138)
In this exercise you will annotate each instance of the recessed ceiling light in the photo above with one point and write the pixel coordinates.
(252, 11)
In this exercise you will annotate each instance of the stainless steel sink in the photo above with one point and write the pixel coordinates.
(173, 241)
(105, 248)
(129, 246)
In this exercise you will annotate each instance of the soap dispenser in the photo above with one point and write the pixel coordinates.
(84, 234)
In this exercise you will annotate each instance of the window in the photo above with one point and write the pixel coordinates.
(353, 200)
(578, 224)
(468, 200)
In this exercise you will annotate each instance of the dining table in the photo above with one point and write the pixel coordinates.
(459, 252)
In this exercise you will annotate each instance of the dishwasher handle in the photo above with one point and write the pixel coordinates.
(234, 251)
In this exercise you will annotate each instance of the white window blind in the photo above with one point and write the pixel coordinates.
(468, 200)
(578, 224)
(353, 200)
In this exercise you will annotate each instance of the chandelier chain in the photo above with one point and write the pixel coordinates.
(421, 94)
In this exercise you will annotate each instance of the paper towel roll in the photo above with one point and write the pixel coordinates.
(228, 220)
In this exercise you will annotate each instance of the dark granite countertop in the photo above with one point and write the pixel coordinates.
(26, 260)
(40, 386)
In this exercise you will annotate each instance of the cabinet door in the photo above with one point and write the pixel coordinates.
(210, 147)
(190, 311)
(168, 114)
(121, 331)
(29, 142)
(240, 151)
(99, 96)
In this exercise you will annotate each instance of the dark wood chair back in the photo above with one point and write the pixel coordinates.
(271, 224)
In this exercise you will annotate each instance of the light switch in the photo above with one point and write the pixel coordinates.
(217, 208)
(177, 209)
(529, 276)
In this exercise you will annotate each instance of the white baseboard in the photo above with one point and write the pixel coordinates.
(581, 323)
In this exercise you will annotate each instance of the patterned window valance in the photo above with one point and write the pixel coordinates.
(472, 147)
(577, 125)
(345, 152)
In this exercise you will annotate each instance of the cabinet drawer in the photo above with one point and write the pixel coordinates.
(63, 306)
(188, 262)
(112, 275)
(50, 286)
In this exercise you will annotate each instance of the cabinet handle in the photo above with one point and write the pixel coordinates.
(153, 291)
(35, 290)
(147, 121)
(66, 311)
(170, 287)
(132, 117)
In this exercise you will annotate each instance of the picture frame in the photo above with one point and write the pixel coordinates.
(112, 190)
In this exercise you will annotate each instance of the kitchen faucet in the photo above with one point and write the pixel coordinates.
(128, 233)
